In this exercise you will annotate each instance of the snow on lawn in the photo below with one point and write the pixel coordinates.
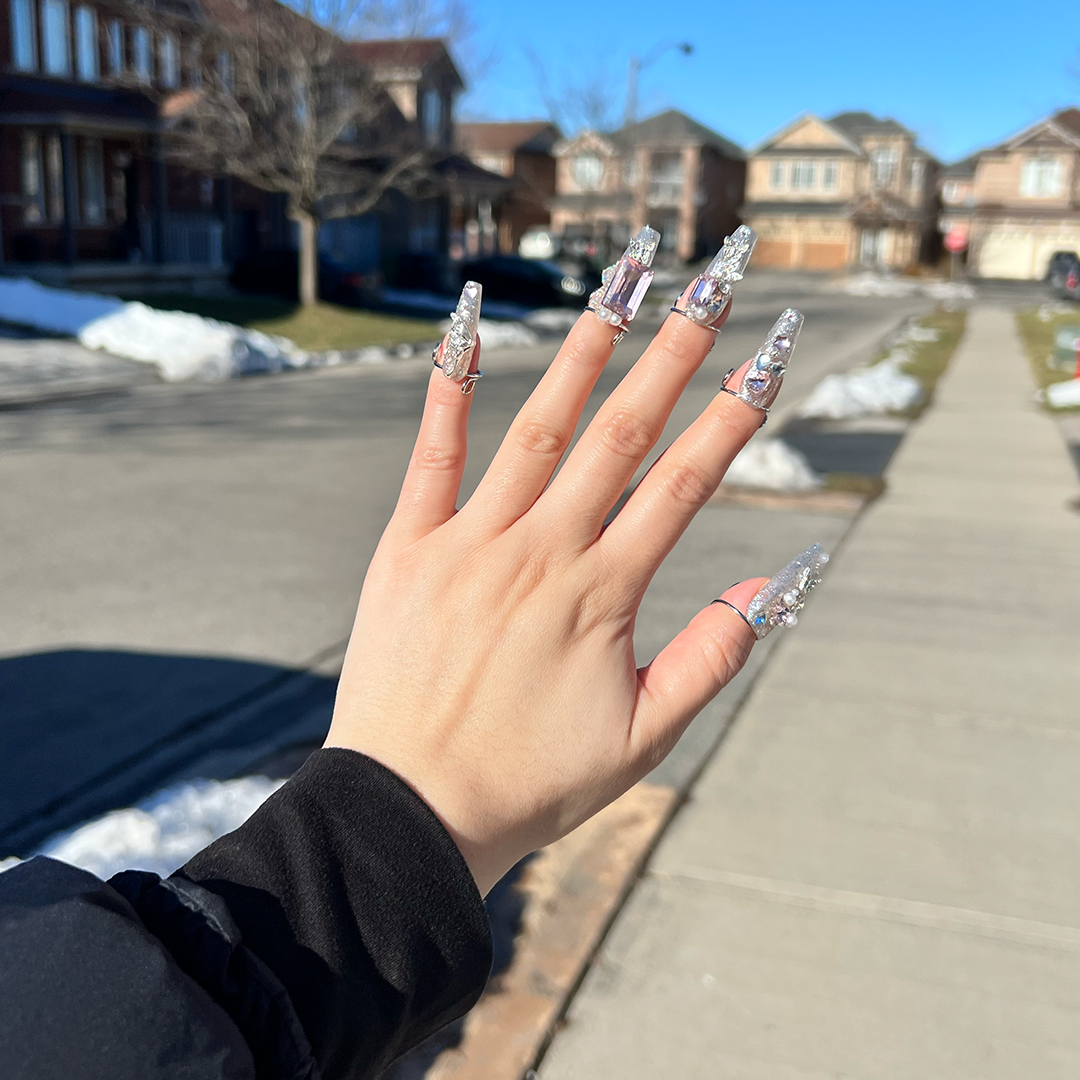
(774, 465)
(871, 391)
(1063, 395)
(162, 832)
(873, 284)
(180, 345)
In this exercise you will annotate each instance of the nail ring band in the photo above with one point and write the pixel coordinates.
(737, 612)
(709, 294)
(468, 380)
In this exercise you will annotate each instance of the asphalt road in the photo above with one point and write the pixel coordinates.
(180, 564)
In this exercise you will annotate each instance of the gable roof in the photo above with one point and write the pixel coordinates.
(858, 124)
(851, 144)
(675, 128)
(504, 138)
(410, 54)
(1064, 125)
(961, 169)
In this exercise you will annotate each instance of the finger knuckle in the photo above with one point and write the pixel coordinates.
(688, 484)
(440, 458)
(538, 437)
(628, 435)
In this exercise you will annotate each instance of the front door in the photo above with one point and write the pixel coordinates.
(871, 247)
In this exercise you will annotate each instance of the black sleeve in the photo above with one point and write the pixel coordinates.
(335, 929)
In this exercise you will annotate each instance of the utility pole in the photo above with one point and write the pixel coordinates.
(637, 63)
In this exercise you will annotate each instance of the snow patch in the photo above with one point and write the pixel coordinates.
(883, 388)
(1063, 395)
(873, 284)
(501, 335)
(772, 464)
(552, 320)
(162, 832)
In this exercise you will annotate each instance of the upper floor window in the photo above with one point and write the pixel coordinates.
(23, 36)
(588, 171)
(776, 176)
(56, 45)
(142, 59)
(953, 191)
(194, 63)
(630, 171)
(804, 175)
(916, 173)
(168, 60)
(883, 165)
(431, 117)
(1041, 178)
(829, 176)
(114, 47)
(86, 44)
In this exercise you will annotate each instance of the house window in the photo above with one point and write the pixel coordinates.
(917, 170)
(829, 175)
(630, 171)
(86, 44)
(496, 163)
(588, 171)
(23, 36)
(776, 176)
(1041, 178)
(142, 59)
(952, 192)
(92, 183)
(114, 50)
(431, 117)
(883, 165)
(33, 190)
(168, 61)
(54, 36)
(54, 178)
(803, 175)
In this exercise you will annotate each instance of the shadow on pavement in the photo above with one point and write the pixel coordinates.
(86, 731)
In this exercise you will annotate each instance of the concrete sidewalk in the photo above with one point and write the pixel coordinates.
(878, 875)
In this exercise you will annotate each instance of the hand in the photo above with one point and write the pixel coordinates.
(491, 665)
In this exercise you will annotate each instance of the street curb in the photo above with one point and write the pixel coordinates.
(573, 891)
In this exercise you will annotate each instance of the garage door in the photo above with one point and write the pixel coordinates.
(773, 253)
(1009, 253)
(825, 256)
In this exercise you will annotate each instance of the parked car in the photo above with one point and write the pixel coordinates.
(1061, 264)
(276, 273)
(532, 282)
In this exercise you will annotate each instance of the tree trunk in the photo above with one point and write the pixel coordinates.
(309, 259)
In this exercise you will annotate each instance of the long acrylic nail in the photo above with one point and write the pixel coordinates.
(761, 380)
(625, 283)
(778, 600)
(460, 342)
(710, 293)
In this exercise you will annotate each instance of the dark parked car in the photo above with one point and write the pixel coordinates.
(1062, 263)
(531, 282)
(275, 273)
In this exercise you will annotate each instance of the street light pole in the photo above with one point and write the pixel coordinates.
(634, 71)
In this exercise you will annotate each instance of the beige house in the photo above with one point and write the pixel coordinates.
(850, 190)
(668, 171)
(1020, 201)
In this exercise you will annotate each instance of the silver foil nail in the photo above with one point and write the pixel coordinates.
(761, 380)
(782, 596)
(710, 293)
(624, 284)
(460, 342)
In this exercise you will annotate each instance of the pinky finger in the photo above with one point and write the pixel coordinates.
(433, 480)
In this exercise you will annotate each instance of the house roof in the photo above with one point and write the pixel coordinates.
(674, 128)
(1064, 125)
(857, 124)
(963, 168)
(414, 54)
(535, 135)
(1068, 118)
(767, 144)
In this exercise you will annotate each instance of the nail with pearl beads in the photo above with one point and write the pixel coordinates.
(782, 596)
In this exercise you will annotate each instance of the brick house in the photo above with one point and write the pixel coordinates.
(849, 190)
(521, 152)
(668, 171)
(1020, 200)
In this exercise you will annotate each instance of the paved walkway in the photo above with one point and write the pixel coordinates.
(879, 873)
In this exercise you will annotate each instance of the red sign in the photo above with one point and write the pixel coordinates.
(956, 239)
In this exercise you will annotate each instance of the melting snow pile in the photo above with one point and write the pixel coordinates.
(162, 832)
(182, 346)
(500, 335)
(883, 388)
(772, 464)
(871, 284)
(1063, 395)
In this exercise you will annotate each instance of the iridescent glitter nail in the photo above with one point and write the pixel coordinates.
(782, 596)
(460, 342)
(624, 285)
(710, 293)
(761, 380)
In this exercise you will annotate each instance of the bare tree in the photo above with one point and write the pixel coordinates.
(585, 96)
(286, 106)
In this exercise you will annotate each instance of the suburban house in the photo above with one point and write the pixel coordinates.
(668, 171)
(520, 152)
(1020, 201)
(88, 191)
(849, 190)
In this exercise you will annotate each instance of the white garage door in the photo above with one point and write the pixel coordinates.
(1007, 253)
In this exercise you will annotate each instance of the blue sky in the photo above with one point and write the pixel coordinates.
(960, 74)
